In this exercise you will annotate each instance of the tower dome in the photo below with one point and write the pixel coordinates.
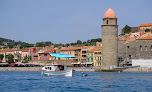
(110, 14)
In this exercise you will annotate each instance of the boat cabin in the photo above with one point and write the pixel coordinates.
(52, 68)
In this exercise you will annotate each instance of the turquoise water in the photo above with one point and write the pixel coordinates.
(95, 81)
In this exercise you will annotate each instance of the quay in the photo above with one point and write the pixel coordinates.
(82, 69)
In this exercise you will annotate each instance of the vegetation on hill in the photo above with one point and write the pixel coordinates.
(147, 30)
(91, 42)
(12, 43)
(126, 30)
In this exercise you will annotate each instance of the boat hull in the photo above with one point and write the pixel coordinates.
(59, 73)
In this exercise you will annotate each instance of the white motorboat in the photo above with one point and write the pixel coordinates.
(62, 71)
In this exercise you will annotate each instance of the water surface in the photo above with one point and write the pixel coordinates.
(14, 81)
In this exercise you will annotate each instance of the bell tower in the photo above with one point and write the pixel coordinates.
(109, 40)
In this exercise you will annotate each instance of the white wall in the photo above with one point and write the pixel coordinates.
(142, 62)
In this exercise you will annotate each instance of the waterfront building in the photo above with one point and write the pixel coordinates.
(109, 40)
(145, 26)
(138, 48)
(94, 57)
(46, 56)
(6, 52)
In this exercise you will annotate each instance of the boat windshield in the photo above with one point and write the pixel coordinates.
(48, 68)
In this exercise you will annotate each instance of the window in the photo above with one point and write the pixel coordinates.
(46, 57)
(43, 57)
(151, 48)
(45, 54)
(127, 46)
(39, 54)
(107, 21)
(146, 48)
(129, 56)
(91, 55)
(88, 59)
(79, 59)
(34, 57)
(140, 48)
(91, 59)
(100, 58)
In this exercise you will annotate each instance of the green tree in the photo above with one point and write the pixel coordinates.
(147, 30)
(26, 45)
(84, 42)
(67, 45)
(56, 45)
(1, 57)
(26, 59)
(72, 44)
(9, 58)
(40, 44)
(48, 43)
(29, 58)
(127, 29)
(10, 46)
(79, 42)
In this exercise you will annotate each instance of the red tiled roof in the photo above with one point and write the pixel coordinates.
(145, 38)
(75, 48)
(50, 51)
(92, 50)
(147, 24)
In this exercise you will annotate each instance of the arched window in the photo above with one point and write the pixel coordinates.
(107, 21)
(140, 48)
(151, 48)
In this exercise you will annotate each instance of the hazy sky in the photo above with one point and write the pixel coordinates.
(66, 21)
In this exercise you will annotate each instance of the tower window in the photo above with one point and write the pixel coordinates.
(107, 21)
(128, 47)
(146, 48)
(140, 48)
(151, 48)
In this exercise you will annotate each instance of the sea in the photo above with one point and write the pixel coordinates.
(17, 81)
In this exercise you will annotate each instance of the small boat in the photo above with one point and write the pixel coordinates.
(62, 71)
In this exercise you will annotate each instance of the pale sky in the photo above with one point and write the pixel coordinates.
(66, 21)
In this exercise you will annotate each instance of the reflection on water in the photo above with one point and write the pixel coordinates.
(95, 81)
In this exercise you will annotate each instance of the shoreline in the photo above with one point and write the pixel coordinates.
(80, 69)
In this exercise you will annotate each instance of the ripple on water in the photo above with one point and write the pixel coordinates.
(95, 81)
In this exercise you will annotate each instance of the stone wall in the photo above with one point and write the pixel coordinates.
(137, 49)
(109, 45)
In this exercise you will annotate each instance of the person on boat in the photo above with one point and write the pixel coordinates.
(57, 68)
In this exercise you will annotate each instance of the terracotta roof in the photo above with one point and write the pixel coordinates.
(122, 39)
(110, 14)
(147, 24)
(7, 50)
(35, 54)
(25, 50)
(145, 38)
(92, 50)
(50, 51)
(76, 48)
